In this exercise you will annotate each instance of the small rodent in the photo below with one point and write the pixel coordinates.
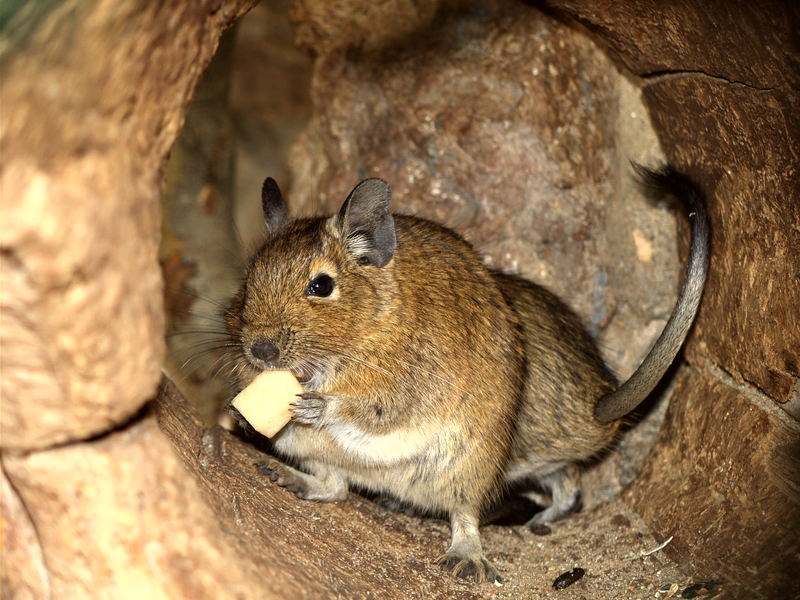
(428, 376)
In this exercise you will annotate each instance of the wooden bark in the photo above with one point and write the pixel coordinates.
(93, 96)
(722, 85)
(119, 517)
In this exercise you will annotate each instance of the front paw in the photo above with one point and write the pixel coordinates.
(477, 569)
(309, 408)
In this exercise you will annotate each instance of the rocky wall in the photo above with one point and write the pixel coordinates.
(722, 85)
(95, 502)
(516, 130)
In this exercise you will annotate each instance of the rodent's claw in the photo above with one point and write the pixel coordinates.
(478, 569)
(309, 408)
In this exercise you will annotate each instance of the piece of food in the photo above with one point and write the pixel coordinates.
(265, 402)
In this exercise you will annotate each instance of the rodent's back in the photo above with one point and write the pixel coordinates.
(565, 377)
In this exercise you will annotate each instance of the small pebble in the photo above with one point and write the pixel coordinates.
(620, 521)
(568, 578)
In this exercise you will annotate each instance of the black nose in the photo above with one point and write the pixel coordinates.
(265, 350)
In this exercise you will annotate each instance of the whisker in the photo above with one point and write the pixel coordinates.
(218, 317)
(207, 332)
(233, 366)
(210, 316)
(366, 363)
(209, 299)
(225, 362)
(202, 351)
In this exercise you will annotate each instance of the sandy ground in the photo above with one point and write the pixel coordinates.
(603, 543)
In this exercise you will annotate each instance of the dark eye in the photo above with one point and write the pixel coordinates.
(321, 286)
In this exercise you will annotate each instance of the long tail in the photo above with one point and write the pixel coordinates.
(631, 393)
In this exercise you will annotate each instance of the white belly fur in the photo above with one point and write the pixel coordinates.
(380, 449)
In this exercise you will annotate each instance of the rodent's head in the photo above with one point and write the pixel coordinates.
(316, 287)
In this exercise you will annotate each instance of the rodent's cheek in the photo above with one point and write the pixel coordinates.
(333, 318)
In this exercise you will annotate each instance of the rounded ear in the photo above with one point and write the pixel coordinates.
(365, 223)
(276, 214)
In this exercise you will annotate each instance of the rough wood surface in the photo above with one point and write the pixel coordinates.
(731, 504)
(119, 517)
(722, 85)
(748, 161)
(721, 82)
(104, 498)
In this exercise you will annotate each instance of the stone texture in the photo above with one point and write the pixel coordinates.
(521, 154)
(723, 481)
(721, 82)
(83, 140)
(271, 104)
(322, 26)
(119, 517)
(526, 154)
(23, 573)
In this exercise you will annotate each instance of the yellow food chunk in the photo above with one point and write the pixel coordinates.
(265, 402)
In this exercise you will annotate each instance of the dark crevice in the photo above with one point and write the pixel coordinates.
(654, 77)
(135, 418)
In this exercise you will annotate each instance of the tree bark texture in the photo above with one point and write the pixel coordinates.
(721, 82)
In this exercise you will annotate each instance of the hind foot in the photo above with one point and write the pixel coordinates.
(464, 558)
(556, 512)
(565, 490)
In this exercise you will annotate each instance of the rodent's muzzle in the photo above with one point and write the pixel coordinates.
(269, 354)
(265, 350)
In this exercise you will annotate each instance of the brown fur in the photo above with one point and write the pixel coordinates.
(430, 377)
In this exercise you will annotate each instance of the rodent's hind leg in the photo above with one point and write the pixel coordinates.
(464, 558)
(325, 486)
(565, 489)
